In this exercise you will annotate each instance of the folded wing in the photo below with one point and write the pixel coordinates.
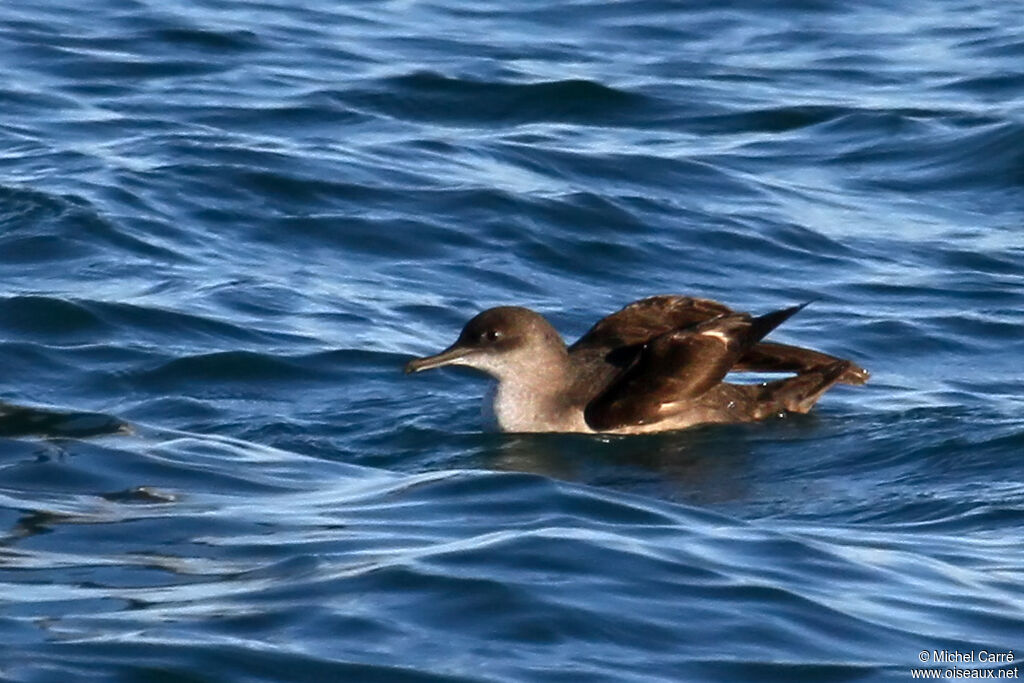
(676, 367)
(619, 338)
(643, 320)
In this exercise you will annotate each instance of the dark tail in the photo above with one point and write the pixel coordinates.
(773, 357)
(798, 394)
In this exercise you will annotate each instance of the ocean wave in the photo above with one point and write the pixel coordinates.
(464, 101)
(510, 558)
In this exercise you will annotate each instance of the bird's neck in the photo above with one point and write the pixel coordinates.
(537, 398)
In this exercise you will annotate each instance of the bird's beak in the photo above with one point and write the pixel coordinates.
(453, 355)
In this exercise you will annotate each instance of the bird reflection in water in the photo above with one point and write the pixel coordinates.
(705, 465)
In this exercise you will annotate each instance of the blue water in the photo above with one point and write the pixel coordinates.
(226, 225)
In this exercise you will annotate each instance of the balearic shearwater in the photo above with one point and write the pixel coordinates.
(656, 365)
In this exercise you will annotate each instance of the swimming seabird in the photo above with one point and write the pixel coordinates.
(656, 365)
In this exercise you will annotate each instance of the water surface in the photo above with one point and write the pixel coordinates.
(227, 225)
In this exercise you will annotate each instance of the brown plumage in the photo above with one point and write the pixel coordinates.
(658, 364)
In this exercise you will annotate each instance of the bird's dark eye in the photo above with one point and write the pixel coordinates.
(493, 335)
